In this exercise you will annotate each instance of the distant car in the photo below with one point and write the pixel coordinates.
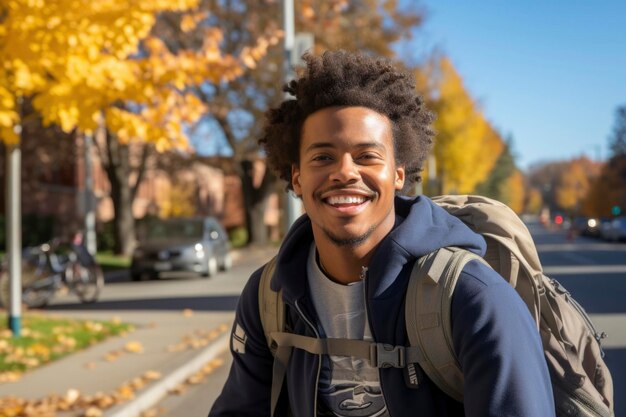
(586, 226)
(197, 245)
(605, 229)
(617, 230)
(560, 221)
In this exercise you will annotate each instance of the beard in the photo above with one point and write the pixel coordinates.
(353, 241)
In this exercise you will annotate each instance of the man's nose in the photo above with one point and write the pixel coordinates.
(346, 170)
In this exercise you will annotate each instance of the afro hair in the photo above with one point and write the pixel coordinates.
(343, 78)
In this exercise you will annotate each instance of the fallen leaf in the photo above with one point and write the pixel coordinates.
(152, 412)
(103, 401)
(9, 376)
(178, 389)
(152, 375)
(134, 347)
(92, 412)
(72, 395)
(112, 356)
(187, 312)
(124, 392)
(196, 379)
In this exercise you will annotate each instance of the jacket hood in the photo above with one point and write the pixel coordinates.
(420, 228)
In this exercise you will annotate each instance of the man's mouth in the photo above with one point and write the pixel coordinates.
(346, 200)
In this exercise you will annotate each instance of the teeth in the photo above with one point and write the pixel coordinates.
(345, 200)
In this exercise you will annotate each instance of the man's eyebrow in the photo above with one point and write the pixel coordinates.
(320, 145)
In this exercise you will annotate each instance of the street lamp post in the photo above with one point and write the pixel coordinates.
(293, 206)
(14, 234)
(90, 206)
(294, 46)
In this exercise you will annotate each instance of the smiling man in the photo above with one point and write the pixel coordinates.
(347, 178)
(351, 141)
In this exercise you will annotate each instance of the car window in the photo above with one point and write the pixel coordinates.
(169, 229)
(214, 232)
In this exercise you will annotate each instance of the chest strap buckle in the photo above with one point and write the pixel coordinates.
(383, 355)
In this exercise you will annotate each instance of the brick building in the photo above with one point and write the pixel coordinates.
(53, 185)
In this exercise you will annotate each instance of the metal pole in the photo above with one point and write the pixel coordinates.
(90, 206)
(293, 205)
(14, 235)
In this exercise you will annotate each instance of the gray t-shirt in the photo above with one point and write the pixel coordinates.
(348, 386)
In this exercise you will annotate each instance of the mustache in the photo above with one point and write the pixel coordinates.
(342, 187)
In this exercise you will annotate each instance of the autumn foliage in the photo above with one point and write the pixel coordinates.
(466, 145)
(85, 63)
(566, 185)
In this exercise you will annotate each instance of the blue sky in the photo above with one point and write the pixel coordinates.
(550, 74)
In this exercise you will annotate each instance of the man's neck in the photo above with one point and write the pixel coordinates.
(343, 264)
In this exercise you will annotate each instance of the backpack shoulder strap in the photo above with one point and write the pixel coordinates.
(271, 305)
(272, 315)
(427, 315)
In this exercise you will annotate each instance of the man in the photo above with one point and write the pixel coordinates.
(353, 138)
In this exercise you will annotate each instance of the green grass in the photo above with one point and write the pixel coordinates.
(109, 261)
(46, 338)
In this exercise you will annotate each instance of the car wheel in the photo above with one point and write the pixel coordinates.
(227, 262)
(212, 267)
(135, 276)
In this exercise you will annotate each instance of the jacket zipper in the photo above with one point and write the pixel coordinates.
(319, 358)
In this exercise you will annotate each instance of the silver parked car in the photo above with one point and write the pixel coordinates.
(198, 245)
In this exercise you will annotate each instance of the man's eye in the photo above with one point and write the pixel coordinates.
(321, 158)
(366, 156)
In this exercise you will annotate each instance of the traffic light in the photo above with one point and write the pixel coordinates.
(616, 210)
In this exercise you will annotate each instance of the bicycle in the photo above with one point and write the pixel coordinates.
(51, 267)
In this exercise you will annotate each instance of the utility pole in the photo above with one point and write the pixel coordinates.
(90, 206)
(293, 206)
(295, 44)
(14, 231)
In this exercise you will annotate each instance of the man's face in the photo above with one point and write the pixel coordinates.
(347, 176)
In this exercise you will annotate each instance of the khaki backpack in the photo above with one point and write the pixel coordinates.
(581, 381)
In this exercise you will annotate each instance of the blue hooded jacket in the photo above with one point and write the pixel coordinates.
(494, 335)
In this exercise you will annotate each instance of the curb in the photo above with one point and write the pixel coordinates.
(157, 391)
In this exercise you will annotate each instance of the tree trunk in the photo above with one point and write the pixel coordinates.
(255, 195)
(118, 172)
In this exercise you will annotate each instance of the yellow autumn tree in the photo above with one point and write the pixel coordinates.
(180, 200)
(466, 145)
(515, 191)
(574, 183)
(79, 61)
(84, 64)
(534, 201)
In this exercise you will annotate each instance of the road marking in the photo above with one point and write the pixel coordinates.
(584, 269)
(615, 327)
(568, 247)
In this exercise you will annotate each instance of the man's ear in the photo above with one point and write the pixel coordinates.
(295, 180)
(399, 183)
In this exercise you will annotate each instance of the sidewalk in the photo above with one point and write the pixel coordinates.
(173, 345)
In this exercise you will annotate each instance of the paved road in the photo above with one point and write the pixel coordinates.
(595, 273)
